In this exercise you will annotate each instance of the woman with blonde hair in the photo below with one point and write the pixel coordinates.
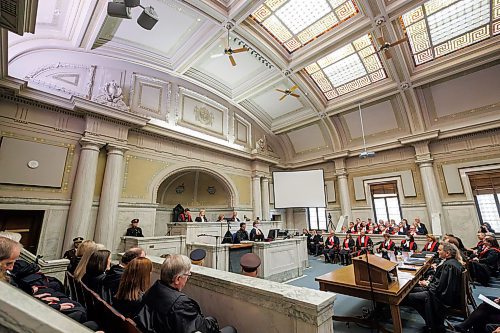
(82, 248)
(86, 252)
(136, 279)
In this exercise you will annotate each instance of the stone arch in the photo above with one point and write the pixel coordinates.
(169, 172)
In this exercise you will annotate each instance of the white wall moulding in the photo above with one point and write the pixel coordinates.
(150, 96)
(455, 174)
(404, 179)
(50, 163)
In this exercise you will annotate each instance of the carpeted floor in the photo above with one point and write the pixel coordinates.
(352, 306)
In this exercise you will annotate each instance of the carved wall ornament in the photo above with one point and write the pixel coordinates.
(112, 96)
(211, 190)
(262, 144)
(203, 115)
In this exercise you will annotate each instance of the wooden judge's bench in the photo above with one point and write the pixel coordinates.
(390, 284)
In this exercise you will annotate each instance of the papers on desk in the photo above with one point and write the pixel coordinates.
(489, 301)
(407, 267)
(415, 261)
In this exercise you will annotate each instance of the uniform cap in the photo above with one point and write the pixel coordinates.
(250, 262)
(197, 255)
(135, 221)
(78, 239)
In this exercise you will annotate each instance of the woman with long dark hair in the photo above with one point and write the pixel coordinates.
(99, 263)
(134, 282)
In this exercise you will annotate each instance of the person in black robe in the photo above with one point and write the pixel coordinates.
(480, 317)
(408, 244)
(346, 249)
(256, 233)
(318, 243)
(444, 288)
(332, 245)
(420, 228)
(363, 243)
(386, 246)
(134, 230)
(241, 234)
(486, 263)
(164, 308)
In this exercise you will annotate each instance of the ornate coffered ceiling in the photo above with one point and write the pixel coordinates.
(329, 50)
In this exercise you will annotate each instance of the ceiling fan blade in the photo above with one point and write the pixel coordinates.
(295, 95)
(402, 40)
(231, 59)
(294, 87)
(380, 41)
(387, 55)
(282, 91)
(241, 49)
(282, 97)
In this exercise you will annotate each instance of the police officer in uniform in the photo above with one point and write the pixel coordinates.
(197, 256)
(71, 254)
(249, 264)
(134, 230)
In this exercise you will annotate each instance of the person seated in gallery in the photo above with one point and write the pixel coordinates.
(352, 228)
(486, 263)
(442, 289)
(221, 218)
(256, 233)
(112, 279)
(249, 263)
(363, 243)
(386, 246)
(99, 262)
(332, 247)
(134, 229)
(197, 256)
(408, 244)
(134, 283)
(311, 248)
(241, 234)
(201, 216)
(420, 228)
(318, 243)
(164, 308)
(484, 314)
(432, 244)
(185, 216)
(346, 248)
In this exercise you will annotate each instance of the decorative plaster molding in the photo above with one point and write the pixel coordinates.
(33, 77)
(112, 96)
(404, 179)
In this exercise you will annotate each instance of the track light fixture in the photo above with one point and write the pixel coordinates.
(122, 9)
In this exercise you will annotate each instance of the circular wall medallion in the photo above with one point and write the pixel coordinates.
(33, 164)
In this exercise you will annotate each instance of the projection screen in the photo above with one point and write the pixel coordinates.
(299, 189)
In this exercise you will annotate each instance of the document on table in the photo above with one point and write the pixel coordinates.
(489, 301)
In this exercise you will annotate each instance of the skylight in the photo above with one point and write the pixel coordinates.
(294, 23)
(351, 67)
(440, 27)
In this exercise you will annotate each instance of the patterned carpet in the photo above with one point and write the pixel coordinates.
(352, 306)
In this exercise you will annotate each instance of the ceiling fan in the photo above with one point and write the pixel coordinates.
(229, 51)
(384, 46)
(288, 92)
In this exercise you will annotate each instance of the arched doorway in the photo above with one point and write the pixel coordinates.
(194, 189)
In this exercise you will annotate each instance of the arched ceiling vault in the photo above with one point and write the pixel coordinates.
(325, 47)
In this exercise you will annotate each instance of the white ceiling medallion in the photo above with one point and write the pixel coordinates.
(33, 164)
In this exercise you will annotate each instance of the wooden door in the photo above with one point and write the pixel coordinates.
(28, 223)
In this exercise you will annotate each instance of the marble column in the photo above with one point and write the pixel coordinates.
(257, 198)
(110, 195)
(83, 193)
(265, 199)
(345, 198)
(431, 192)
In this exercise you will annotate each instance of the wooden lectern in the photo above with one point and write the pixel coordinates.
(383, 272)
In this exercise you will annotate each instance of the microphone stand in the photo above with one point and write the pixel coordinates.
(216, 248)
(372, 292)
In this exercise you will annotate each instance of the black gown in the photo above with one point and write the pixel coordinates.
(164, 309)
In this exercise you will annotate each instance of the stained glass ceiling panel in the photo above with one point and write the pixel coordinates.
(440, 27)
(349, 68)
(294, 23)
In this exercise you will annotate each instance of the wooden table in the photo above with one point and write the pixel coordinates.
(342, 281)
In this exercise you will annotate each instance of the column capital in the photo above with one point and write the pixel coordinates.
(116, 149)
(340, 173)
(88, 143)
(422, 152)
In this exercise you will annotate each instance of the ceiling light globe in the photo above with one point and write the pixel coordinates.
(119, 10)
(148, 18)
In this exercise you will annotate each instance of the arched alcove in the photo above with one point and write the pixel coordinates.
(194, 188)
